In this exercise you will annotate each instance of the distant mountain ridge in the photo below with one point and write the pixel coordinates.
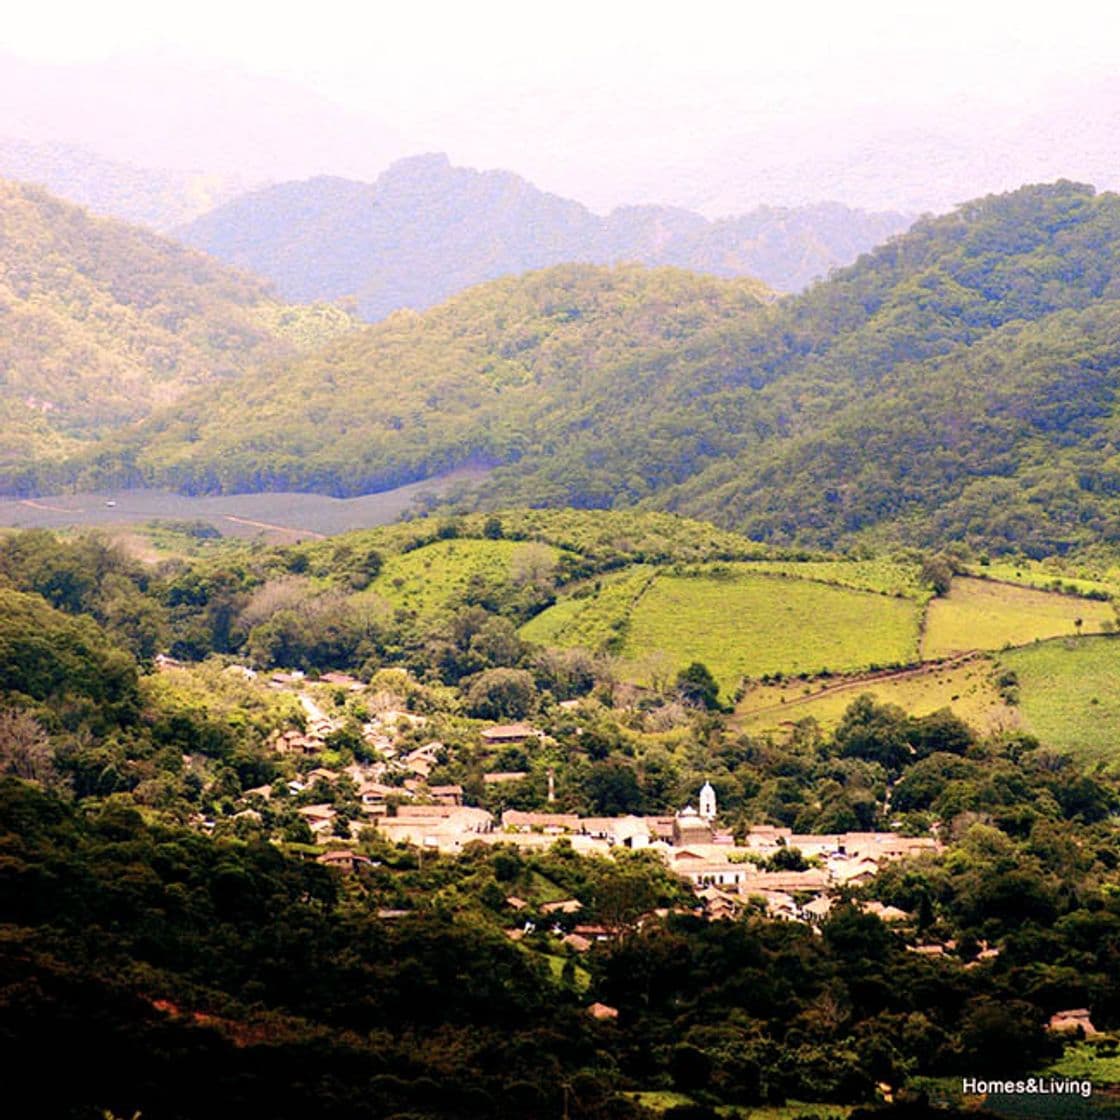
(158, 198)
(425, 230)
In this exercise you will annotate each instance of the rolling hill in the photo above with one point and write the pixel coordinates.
(104, 322)
(479, 380)
(958, 383)
(425, 230)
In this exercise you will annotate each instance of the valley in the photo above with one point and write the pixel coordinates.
(794, 420)
(279, 516)
(611, 690)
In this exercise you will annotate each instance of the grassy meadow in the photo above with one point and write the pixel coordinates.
(1069, 694)
(1046, 577)
(984, 614)
(747, 624)
(595, 618)
(965, 687)
(888, 577)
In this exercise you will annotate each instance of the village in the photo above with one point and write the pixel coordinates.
(790, 876)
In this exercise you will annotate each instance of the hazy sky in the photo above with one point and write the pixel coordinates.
(623, 91)
(431, 51)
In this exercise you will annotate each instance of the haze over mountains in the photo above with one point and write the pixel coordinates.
(152, 197)
(425, 230)
(165, 110)
(723, 154)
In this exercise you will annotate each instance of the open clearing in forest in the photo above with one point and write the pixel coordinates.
(985, 614)
(748, 624)
(758, 619)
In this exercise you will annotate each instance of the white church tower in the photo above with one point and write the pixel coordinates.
(707, 802)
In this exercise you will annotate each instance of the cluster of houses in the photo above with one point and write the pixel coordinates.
(724, 875)
(398, 801)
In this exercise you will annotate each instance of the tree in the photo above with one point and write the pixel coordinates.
(502, 694)
(874, 732)
(622, 894)
(1002, 1036)
(698, 687)
(613, 789)
(937, 573)
(25, 750)
(691, 1068)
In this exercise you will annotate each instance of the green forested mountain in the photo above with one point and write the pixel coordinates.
(103, 322)
(564, 355)
(958, 382)
(966, 386)
(426, 230)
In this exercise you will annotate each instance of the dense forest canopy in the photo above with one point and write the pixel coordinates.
(104, 322)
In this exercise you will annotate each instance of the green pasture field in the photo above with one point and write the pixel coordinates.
(426, 580)
(965, 687)
(1069, 694)
(889, 577)
(596, 620)
(750, 624)
(1041, 575)
(982, 614)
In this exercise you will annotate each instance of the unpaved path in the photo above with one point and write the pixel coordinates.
(850, 684)
(275, 528)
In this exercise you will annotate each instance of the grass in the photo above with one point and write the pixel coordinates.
(597, 619)
(1081, 1060)
(427, 580)
(535, 887)
(984, 615)
(966, 688)
(1069, 693)
(749, 624)
(556, 967)
(1044, 576)
(888, 577)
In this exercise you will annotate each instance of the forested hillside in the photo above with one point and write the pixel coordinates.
(519, 369)
(425, 230)
(957, 383)
(104, 322)
(964, 386)
(211, 922)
